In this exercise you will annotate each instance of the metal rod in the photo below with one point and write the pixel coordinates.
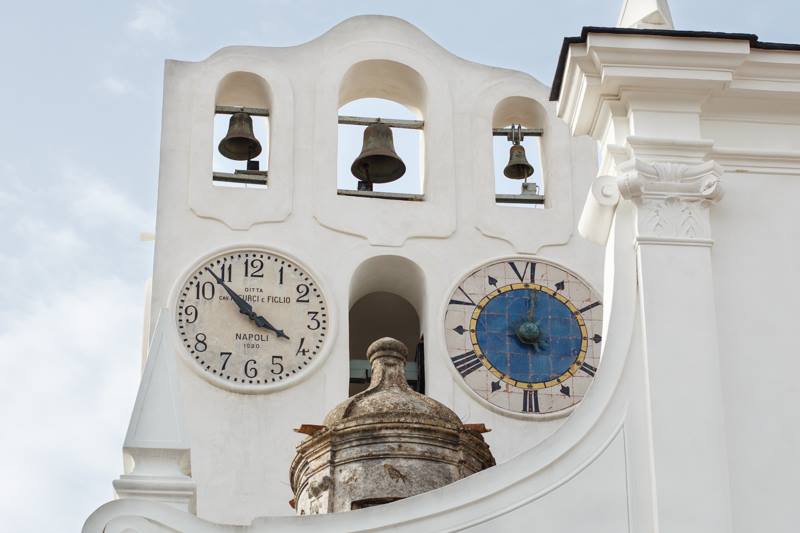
(366, 121)
(526, 132)
(391, 122)
(230, 110)
(519, 199)
(256, 178)
(382, 195)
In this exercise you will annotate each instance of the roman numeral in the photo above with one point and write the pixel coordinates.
(589, 369)
(468, 300)
(530, 267)
(530, 401)
(590, 306)
(466, 363)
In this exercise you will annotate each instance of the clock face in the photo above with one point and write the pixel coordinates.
(251, 319)
(524, 335)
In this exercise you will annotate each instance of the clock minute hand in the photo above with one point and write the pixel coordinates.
(246, 309)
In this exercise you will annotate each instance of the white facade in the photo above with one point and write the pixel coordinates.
(689, 425)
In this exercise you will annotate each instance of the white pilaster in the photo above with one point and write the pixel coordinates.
(648, 122)
(685, 445)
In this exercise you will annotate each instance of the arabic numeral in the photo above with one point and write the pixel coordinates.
(226, 272)
(302, 291)
(280, 276)
(276, 362)
(300, 350)
(253, 268)
(191, 314)
(315, 323)
(225, 356)
(204, 290)
(200, 342)
(250, 369)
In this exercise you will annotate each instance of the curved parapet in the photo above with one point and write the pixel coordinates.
(487, 495)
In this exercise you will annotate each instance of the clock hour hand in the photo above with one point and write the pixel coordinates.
(264, 323)
(246, 309)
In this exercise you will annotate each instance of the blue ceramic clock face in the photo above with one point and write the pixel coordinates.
(524, 335)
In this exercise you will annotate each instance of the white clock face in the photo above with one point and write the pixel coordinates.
(524, 335)
(251, 319)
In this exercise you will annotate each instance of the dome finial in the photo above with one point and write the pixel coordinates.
(645, 14)
(387, 347)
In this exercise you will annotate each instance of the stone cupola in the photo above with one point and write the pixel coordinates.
(383, 444)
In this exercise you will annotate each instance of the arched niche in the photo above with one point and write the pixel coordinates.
(379, 79)
(530, 114)
(242, 89)
(386, 300)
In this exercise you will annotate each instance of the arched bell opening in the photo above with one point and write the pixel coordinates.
(241, 131)
(386, 299)
(394, 93)
(519, 176)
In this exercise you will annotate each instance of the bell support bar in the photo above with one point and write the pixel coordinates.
(230, 110)
(366, 121)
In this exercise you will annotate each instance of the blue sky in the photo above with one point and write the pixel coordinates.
(81, 91)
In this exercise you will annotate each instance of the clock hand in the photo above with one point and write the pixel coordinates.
(246, 309)
(264, 323)
(531, 299)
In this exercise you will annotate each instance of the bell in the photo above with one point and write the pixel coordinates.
(518, 167)
(378, 162)
(240, 144)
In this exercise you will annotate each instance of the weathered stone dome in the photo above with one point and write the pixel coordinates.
(388, 396)
(383, 444)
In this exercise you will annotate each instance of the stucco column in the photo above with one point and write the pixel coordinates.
(680, 436)
(642, 94)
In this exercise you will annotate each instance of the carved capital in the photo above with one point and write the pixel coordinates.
(672, 200)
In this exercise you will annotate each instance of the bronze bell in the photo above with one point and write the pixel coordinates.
(518, 167)
(378, 162)
(240, 144)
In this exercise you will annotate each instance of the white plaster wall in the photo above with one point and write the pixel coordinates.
(756, 261)
(242, 444)
(598, 495)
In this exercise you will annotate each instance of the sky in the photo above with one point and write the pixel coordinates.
(81, 87)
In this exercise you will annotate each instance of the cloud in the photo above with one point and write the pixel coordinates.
(155, 19)
(99, 204)
(71, 366)
(116, 86)
(59, 233)
(71, 316)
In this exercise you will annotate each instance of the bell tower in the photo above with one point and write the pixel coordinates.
(271, 279)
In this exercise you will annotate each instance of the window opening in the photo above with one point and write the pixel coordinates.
(517, 166)
(384, 314)
(387, 159)
(241, 147)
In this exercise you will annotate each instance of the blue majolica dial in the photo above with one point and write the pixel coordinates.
(524, 335)
(529, 335)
